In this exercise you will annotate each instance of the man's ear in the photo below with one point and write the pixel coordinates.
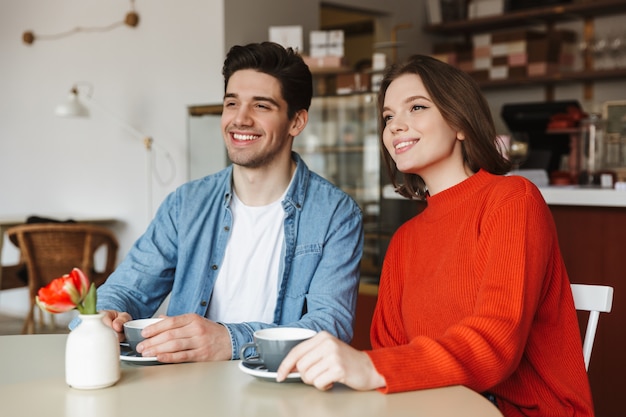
(299, 122)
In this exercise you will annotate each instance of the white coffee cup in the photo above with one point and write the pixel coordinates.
(273, 344)
(133, 328)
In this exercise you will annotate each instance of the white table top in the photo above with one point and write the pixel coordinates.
(32, 383)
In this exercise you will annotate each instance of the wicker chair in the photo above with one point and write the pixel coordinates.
(10, 277)
(51, 250)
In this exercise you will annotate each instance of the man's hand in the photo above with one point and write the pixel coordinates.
(186, 338)
(115, 320)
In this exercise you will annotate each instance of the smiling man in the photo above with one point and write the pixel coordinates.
(262, 243)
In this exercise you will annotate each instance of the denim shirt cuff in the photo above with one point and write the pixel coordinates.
(240, 333)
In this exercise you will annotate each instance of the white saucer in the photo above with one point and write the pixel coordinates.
(262, 373)
(127, 355)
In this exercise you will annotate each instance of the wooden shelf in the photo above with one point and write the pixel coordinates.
(538, 15)
(205, 110)
(559, 78)
(329, 71)
(548, 15)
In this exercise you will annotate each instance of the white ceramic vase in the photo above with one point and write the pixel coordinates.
(92, 354)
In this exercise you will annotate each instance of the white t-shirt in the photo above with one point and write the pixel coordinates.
(247, 284)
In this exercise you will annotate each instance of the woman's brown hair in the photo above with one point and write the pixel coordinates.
(462, 105)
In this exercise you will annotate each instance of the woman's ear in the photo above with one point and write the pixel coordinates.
(460, 135)
(299, 122)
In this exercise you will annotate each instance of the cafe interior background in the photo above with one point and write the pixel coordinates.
(160, 77)
(142, 80)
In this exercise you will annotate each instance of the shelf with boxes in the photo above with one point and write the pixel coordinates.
(512, 55)
(501, 51)
(518, 18)
(333, 73)
(557, 78)
(341, 80)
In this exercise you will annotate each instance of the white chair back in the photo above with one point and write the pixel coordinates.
(595, 299)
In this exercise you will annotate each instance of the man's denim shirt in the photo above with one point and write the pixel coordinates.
(182, 251)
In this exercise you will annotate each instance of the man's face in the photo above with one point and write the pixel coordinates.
(255, 126)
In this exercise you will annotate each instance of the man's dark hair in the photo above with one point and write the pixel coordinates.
(284, 64)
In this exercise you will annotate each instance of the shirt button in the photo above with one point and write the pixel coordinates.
(214, 267)
(203, 303)
(226, 228)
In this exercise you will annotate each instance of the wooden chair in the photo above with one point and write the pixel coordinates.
(595, 299)
(51, 250)
(10, 277)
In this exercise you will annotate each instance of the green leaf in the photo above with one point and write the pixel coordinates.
(88, 306)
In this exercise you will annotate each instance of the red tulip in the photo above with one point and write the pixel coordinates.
(66, 293)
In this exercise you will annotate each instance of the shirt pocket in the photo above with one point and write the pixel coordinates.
(305, 261)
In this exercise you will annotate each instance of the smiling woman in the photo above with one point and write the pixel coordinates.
(454, 317)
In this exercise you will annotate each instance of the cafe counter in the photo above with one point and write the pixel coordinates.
(561, 196)
(591, 225)
(583, 196)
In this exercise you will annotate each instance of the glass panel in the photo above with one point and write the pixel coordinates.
(206, 152)
(340, 143)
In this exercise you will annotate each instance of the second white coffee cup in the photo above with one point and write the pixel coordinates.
(272, 345)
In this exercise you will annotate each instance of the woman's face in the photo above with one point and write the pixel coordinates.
(417, 137)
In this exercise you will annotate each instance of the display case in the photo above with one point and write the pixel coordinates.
(340, 143)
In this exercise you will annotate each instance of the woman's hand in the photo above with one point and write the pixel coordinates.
(324, 360)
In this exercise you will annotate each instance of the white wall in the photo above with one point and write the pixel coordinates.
(147, 76)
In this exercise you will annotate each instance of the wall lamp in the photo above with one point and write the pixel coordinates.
(75, 107)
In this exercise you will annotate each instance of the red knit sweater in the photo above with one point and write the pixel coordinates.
(474, 292)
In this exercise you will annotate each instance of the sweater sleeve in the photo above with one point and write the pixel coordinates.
(486, 310)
